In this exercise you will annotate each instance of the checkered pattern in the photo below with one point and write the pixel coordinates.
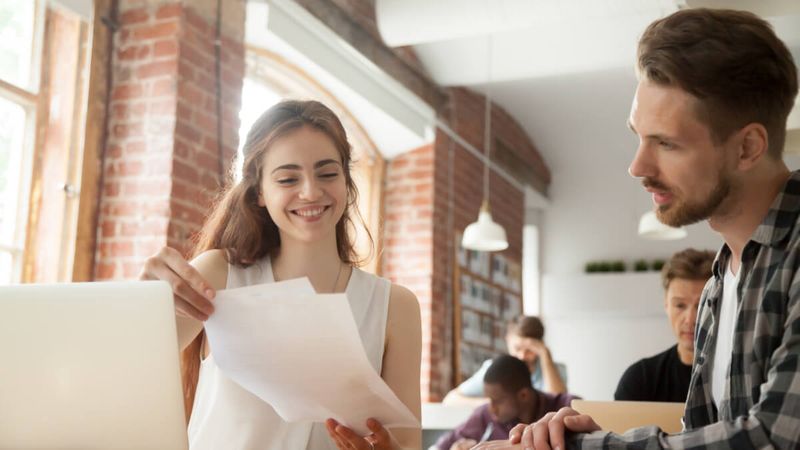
(761, 405)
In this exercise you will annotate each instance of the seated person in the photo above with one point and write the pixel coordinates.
(524, 339)
(512, 400)
(665, 376)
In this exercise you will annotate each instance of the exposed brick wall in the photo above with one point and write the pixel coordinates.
(431, 194)
(466, 110)
(408, 237)
(197, 174)
(458, 193)
(162, 161)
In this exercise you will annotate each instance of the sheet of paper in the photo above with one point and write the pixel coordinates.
(301, 352)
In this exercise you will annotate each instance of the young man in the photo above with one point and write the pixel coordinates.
(512, 400)
(524, 338)
(665, 376)
(715, 89)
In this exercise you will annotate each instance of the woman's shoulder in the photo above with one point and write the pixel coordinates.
(402, 296)
(403, 304)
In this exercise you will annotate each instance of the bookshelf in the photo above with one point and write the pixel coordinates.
(487, 294)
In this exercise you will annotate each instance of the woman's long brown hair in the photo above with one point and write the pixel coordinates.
(244, 230)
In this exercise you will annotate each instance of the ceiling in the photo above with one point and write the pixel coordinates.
(532, 46)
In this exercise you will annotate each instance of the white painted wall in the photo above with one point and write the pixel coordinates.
(601, 323)
(531, 257)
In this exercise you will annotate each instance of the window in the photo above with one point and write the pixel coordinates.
(17, 31)
(256, 98)
(20, 37)
(43, 79)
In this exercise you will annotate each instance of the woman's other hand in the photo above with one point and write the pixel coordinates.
(347, 439)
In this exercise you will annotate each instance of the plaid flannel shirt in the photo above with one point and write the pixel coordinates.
(760, 407)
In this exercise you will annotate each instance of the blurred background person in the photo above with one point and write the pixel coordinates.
(512, 400)
(524, 337)
(665, 376)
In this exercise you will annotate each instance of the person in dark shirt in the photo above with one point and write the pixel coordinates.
(665, 376)
(512, 400)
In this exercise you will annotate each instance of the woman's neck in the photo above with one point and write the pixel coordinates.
(319, 261)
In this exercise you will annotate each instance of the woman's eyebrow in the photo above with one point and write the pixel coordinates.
(317, 165)
(325, 162)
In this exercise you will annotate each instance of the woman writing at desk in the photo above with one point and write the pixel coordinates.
(290, 216)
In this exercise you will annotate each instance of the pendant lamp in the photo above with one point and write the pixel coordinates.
(485, 235)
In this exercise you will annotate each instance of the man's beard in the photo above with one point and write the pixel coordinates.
(681, 213)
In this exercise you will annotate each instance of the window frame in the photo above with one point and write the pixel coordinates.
(27, 97)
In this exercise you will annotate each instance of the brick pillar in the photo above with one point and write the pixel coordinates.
(408, 238)
(162, 162)
(433, 193)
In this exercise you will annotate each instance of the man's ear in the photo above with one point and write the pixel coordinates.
(524, 394)
(753, 145)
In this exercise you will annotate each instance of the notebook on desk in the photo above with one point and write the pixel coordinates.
(619, 416)
(90, 365)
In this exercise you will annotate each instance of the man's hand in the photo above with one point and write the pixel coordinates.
(548, 432)
(497, 445)
(463, 444)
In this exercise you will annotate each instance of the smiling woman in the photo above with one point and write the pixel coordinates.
(304, 191)
(271, 77)
(289, 216)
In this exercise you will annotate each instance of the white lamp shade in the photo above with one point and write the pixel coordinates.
(485, 235)
(652, 228)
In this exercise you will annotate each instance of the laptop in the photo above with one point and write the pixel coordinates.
(90, 365)
(622, 416)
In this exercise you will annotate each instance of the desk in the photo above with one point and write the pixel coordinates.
(438, 418)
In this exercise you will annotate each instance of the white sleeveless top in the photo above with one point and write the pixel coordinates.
(226, 416)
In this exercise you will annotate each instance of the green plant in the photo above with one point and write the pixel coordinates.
(657, 264)
(618, 266)
(590, 267)
(640, 265)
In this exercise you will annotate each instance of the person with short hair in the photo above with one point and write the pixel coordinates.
(525, 341)
(512, 400)
(715, 90)
(665, 376)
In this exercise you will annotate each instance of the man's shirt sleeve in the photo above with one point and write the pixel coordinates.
(772, 422)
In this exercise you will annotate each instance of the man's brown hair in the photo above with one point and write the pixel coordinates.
(689, 264)
(526, 326)
(732, 61)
